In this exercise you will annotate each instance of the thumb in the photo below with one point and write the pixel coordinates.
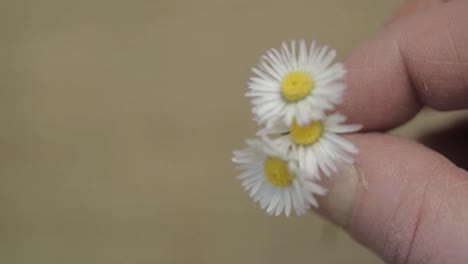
(402, 200)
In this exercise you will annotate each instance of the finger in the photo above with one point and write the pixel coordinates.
(410, 212)
(421, 59)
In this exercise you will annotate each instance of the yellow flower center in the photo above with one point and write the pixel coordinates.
(306, 135)
(276, 172)
(296, 86)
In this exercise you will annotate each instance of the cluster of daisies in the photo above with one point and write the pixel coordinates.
(293, 95)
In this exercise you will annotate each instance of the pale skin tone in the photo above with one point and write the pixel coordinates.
(415, 206)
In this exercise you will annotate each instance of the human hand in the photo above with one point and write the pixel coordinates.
(404, 201)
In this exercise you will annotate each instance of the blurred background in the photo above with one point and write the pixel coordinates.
(118, 119)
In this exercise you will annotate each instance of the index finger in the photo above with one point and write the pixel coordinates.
(420, 59)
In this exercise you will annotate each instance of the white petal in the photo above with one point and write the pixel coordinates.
(264, 75)
(253, 179)
(255, 188)
(302, 61)
(327, 60)
(314, 188)
(293, 54)
(340, 129)
(296, 196)
(271, 71)
(345, 144)
(335, 119)
(287, 57)
(312, 54)
(311, 164)
(266, 199)
(287, 203)
(318, 59)
(274, 202)
(280, 206)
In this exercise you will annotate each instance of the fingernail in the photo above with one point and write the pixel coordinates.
(400, 11)
(409, 7)
(343, 190)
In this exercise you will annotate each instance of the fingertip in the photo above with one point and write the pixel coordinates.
(420, 60)
(390, 200)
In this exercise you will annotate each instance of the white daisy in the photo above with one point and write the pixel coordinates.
(274, 180)
(317, 146)
(294, 85)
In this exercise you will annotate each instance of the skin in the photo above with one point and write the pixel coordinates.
(415, 206)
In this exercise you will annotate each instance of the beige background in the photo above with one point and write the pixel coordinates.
(118, 119)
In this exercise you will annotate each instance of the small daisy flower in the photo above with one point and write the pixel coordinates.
(274, 180)
(295, 85)
(318, 146)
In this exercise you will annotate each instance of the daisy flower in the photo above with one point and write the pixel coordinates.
(274, 180)
(295, 85)
(317, 146)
